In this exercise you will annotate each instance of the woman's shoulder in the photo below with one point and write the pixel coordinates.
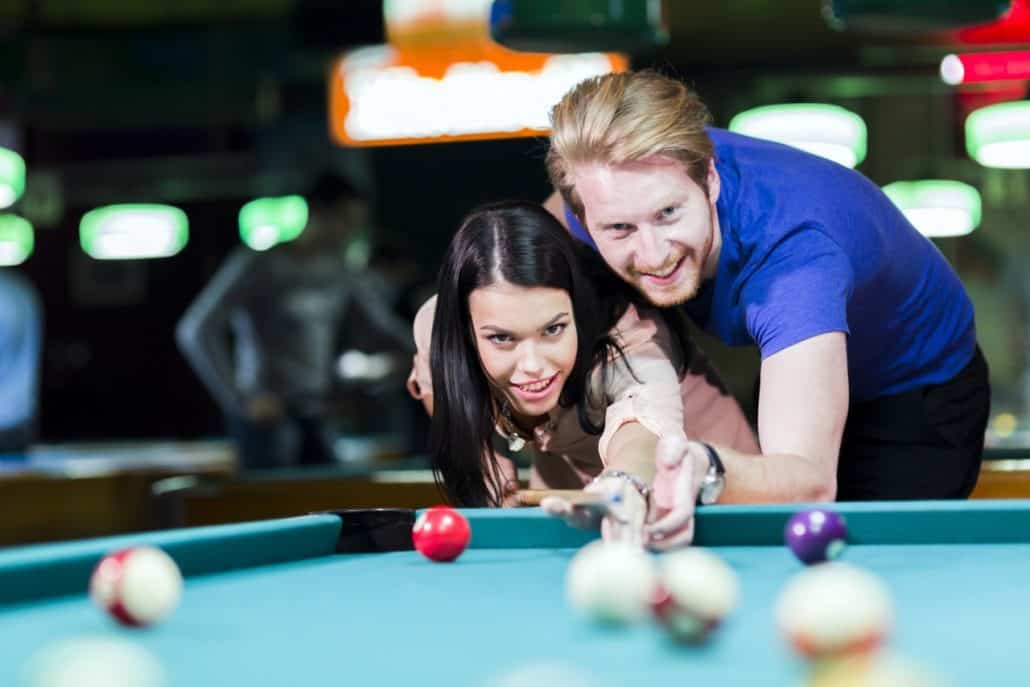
(638, 325)
(423, 325)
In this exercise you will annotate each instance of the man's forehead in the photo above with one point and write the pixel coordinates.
(627, 187)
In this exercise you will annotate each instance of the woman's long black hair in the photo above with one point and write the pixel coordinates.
(523, 244)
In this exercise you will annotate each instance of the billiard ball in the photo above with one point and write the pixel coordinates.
(816, 535)
(137, 586)
(834, 609)
(611, 582)
(696, 590)
(878, 669)
(93, 661)
(552, 673)
(441, 534)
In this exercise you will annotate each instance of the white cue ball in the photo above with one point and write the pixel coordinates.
(93, 662)
(137, 586)
(834, 608)
(699, 589)
(611, 582)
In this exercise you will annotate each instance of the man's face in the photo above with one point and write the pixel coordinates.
(330, 226)
(653, 225)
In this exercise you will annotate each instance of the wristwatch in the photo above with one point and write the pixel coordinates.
(714, 480)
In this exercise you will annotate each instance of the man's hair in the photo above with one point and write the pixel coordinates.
(329, 188)
(623, 117)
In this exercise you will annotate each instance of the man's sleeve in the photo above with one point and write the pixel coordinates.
(577, 229)
(800, 290)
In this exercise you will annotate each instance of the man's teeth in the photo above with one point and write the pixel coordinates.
(665, 274)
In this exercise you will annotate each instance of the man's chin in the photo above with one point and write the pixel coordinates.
(670, 297)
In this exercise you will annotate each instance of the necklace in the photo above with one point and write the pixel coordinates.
(516, 442)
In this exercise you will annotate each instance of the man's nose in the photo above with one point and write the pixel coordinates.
(651, 250)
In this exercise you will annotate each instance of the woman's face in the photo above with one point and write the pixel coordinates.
(526, 338)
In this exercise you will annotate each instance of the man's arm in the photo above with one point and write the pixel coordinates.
(802, 408)
(21, 341)
(202, 333)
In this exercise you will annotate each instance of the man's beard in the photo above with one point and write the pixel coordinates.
(685, 289)
(687, 286)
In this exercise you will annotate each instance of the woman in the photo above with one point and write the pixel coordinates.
(533, 339)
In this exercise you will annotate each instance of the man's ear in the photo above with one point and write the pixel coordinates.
(713, 182)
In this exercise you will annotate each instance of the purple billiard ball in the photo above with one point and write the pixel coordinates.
(816, 535)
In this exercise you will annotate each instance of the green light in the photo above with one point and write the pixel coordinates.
(267, 221)
(133, 231)
(12, 177)
(16, 240)
(563, 27)
(937, 207)
(999, 135)
(829, 131)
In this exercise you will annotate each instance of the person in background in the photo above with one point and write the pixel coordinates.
(21, 343)
(265, 335)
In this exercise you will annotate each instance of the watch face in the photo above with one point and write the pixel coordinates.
(711, 490)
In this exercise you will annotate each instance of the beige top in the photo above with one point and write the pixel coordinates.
(568, 457)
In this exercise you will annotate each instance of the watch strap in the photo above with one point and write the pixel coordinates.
(714, 461)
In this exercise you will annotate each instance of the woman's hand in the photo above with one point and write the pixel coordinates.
(616, 507)
(627, 509)
(681, 466)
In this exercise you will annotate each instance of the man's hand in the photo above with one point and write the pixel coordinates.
(681, 467)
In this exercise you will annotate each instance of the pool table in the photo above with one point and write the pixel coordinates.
(276, 602)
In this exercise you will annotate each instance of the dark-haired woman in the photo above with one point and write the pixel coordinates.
(532, 338)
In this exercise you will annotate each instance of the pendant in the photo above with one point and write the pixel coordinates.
(516, 443)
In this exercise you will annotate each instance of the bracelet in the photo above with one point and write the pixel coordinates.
(634, 481)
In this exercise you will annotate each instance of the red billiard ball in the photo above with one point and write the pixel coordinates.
(441, 534)
(137, 586)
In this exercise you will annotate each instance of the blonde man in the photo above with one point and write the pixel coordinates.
(872, 384)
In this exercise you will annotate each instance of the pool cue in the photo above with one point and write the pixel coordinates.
(533, 497)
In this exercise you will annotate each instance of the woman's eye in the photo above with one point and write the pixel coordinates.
(499, 339)
(668, 212)
(555, 329)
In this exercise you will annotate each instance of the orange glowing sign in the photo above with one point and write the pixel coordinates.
(442, 79)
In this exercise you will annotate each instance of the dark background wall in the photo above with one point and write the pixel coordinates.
(210, 109)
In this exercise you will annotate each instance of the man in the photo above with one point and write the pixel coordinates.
(871, 384)
(287, 310)
(21, 343)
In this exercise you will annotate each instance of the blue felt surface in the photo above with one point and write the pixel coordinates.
(397, 619)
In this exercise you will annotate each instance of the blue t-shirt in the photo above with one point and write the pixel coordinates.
(811, 247)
